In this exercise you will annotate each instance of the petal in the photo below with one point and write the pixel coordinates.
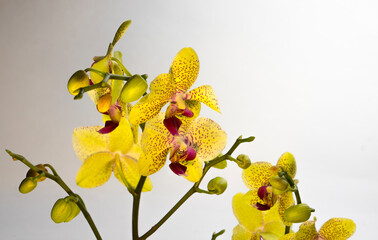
(185, 68)
(287, 162)
(207, 138)
(194, 170)
(103, 65)
(163, 87)
(270, 236)
(272, 215)
(307, 231)
(121, 139)
(145, 109)
(257, 175)
(284, 202)
(152, 162)
(275, 230)
(245, 213)
(130, 172)
(96, 170)
(87, 141)
(337, 229)
(206, 95)
(289, 236)
(241, 233)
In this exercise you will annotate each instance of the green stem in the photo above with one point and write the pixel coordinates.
(287, 229)
(136, 202)
(127, 73)
(195, 188)
(293, 186)
(215, 235)
(63, 185)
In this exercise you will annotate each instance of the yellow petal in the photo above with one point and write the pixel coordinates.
(185, 68)
(121, 138)
(245, 213)
(130, 171)
(241, 233)
(121, 31)
(284, 202)
(155, 145)
(96, 170)
(206, 95)
(287, 162)
(272, 214)
(289, 236)
(208, 138)
(269, 235)
(104, 65)
(161, 90)
(273, 230)
(307, 231)
(257, 175)
(194, 170)
(337, 229)
(87, 141)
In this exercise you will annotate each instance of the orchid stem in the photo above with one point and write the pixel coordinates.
(195, 187)
(136, 203)
(56, 178)
(215, 235)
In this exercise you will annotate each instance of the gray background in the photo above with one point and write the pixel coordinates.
(301, 76)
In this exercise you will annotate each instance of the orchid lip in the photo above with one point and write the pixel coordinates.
(187, 113)
(172, 124)
(191, 154)
(261, 207)
(109, 127)
(262, 192)
(178, 169)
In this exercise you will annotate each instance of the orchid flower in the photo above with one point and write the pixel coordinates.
(103, 154)
(172, 87)
(333, 229)
(257, 177)
(190, 143)
(253, 223)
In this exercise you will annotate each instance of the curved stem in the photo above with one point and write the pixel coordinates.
(56, 178)
(136, 202)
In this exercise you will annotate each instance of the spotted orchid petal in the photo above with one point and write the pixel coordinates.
(257, 175)
(161, 90)
(284, 202)
(155, 144)
(128, 171)
(337, 229)
(193, 170)
(287, 162)
(207, 138)
(96, 170)
(206, 95)
(87, 141)
(121, 139)
(247, 215)
(185, 68)
(241, 233)
(289, 236)
(307, 231)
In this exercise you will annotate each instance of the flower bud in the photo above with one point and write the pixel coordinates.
(133, 89)
(78, 80)
(75, 210)
(61, 211)
(243, 161)
(298, 213)
(27, 185)
(104, 103)
(217, 185)
(32, 173)
(221, 165)
(279, 184)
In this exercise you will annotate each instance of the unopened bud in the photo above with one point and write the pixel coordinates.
(78, 80)
(32, 173)
(75, 210)
(61, 211)
(217, 185)
(104, 103)
(243, 161)
(279, 184)
(133, 89)
(27, 185)
(298, 213)
(221, 165)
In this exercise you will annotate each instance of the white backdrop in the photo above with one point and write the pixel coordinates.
(301, 76)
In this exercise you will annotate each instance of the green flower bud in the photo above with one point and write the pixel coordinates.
(75, 210)
(243, 161)
(33, 174)
(217, 185)
(78, 80)
(133, 89)
(279, 184)
(61, 211)
(298, 213)
(221, 165)
(27, 185)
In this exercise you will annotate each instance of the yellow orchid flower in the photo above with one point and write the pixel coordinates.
(257, 177)
(103, 154)
(333, 229)
(189, 143)
(172, 87)
(253, 223)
